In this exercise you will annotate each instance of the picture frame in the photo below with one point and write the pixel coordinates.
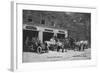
(17, 33)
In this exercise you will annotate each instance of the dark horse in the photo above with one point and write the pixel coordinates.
(69, 43)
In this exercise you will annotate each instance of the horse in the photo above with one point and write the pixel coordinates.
(81, 45)
(84, 44)
(66, 45)
(51, 45)
(77, 46)
(60, 45)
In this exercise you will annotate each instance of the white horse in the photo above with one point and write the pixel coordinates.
(50, 43)
(81, 44)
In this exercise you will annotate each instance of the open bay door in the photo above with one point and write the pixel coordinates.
(47, 34)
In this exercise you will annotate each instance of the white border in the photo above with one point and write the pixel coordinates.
(17, 38)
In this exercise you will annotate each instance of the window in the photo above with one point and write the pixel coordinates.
(42, 21)
(29, 18)
(52, 23)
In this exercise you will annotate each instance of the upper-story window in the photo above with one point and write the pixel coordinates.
(42, 21)
(29, 18)
(52, 23)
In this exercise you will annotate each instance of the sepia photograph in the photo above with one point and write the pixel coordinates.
(55, 36)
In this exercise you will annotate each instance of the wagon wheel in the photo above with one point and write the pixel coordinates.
(39, 50)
